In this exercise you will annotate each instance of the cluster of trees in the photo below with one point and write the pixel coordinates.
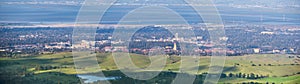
(15, 53)
(261, 65)
(255, 83)
(43, 78)
(237, 64)
(49, 67)
(272, 65)
(162, 78)
(14, 72)
(8, 54)
(247, 76)
(240, 75)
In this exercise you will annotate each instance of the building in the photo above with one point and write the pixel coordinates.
(256, 50)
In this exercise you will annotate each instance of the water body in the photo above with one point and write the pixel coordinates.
(68, 13)
(91, 78)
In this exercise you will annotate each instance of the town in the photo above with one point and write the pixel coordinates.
(241, 39)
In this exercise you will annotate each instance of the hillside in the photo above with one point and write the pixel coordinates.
(276, 68)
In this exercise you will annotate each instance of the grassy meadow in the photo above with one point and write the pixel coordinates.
(59, 68)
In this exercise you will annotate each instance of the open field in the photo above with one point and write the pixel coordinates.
(275, 68)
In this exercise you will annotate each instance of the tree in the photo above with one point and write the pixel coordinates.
(252, 76)
(244, 75)
(240, 75)
(230, 75)
(223, 75)
(248, 76)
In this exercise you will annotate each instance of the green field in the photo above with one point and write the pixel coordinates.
(59, 67)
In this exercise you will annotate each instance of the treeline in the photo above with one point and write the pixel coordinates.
(243, 75)
(294, 64)
(49, 67)
(273, 64)
(253, 83)
(15, 72)
(43, 78)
